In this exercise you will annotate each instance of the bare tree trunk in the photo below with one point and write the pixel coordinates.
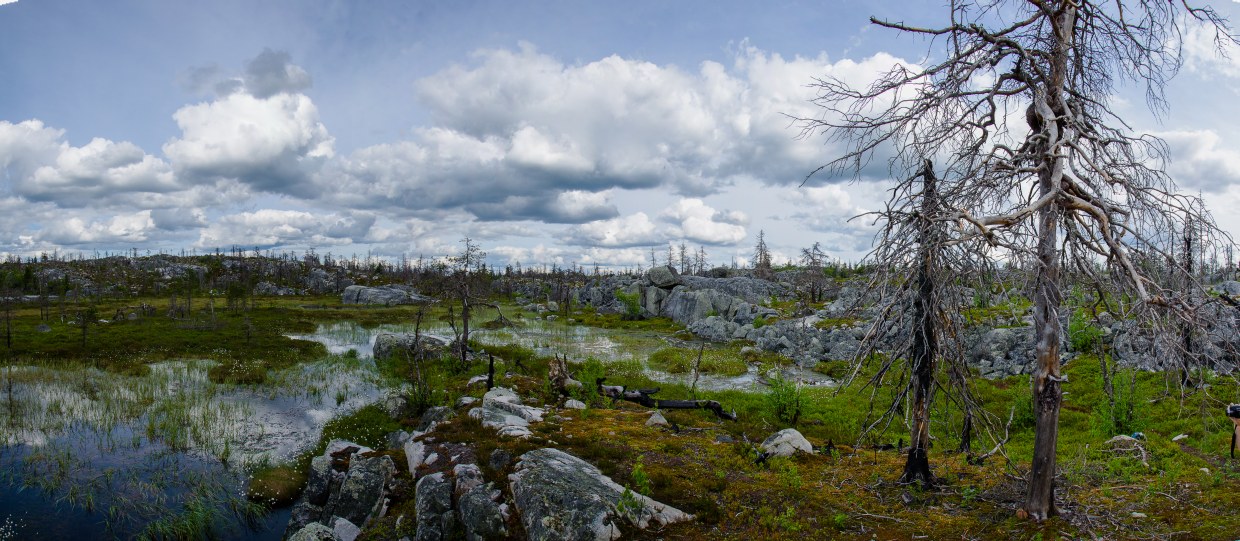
(925, 343)
(1047, 389)
(1186, 330)
(465, 322)
(1047, 392)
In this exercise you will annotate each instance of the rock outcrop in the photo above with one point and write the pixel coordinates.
(561, 497)
(345, 482)
(502, 410)
(390, 295)
(389, 344)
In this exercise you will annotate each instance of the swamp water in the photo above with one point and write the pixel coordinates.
(86, 454)
(578, 342)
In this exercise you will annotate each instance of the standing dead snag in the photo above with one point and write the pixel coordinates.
(1071, 170)
(1233, 412)
(925, 335)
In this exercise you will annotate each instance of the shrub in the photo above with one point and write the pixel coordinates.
(785, 400)
(1084, 336)
(632, 304)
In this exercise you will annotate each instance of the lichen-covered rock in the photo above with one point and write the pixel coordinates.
(561, 497)
(389, 295)
(502, 410)
(390, 344)
(360, 496)
(481, 516)
(663, 276)
(314, 532)
(786, 442)
(433, 502)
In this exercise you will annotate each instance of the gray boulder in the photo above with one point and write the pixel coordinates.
(786, 442)
(389, 344)
(1230, 288)
(561, 497)
(433, 502)
(314, 532)
(389, 295)
(502, 410)
(481, 516)
(270, 289)
(360, 496)
(663, 276)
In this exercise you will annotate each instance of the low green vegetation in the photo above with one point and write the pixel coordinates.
(724, 361)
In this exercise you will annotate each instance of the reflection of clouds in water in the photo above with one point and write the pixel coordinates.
(255, 424)
(546, 337)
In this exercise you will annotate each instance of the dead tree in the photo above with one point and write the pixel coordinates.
(644, 398)
(913, 288)
(1072, 173)
(464, 266)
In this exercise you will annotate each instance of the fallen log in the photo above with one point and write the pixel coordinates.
(642, 397)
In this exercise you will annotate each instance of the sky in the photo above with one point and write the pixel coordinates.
(551, 132)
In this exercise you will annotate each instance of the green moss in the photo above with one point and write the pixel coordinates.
(276, 486)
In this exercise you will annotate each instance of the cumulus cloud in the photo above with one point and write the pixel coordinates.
(1208, 53)
(41, 166)
(275, 228)
(273, 72)
(626, 231)
(517, 127)
(1199, 161)
(270, 143)
(697, 221)
(125, 228)
(571, 207)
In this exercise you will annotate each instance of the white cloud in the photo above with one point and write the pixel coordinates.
(518, 128)
(625, 231)
(276, 228)
(695, 220)
(271, 143)
(125, 228)
(1207, 53)
(1200, 161)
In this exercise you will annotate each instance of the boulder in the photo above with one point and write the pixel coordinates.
(574, 404)
(433, 502)
(663, 276)
(480, 515)
(389, 295)
(561, 497)
(502, 410)
(434, 416)
(270, 289)
(1230, 288)
(360, 496)
(786, 442)
(345, 530)
(389, 344)
(314, 532)
(657, 420)
(344, 484)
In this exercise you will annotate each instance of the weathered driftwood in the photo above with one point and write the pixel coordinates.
(642, 396)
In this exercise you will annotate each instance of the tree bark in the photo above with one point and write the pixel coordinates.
(925, 343)
(1047, 389)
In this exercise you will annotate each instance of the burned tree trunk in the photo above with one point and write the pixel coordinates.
(925, 339)
(642, 396)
